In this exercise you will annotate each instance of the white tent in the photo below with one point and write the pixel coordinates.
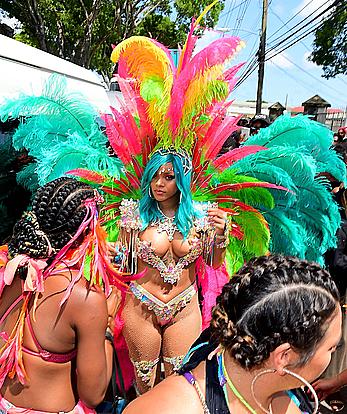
(24, 69)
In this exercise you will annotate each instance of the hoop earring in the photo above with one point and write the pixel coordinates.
(149, 192)
(293, 374)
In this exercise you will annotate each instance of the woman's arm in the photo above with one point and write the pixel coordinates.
(94, 353)
(327, 386)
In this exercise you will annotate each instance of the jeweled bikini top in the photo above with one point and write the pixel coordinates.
(171, 270)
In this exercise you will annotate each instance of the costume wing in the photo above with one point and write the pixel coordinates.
(304, 219)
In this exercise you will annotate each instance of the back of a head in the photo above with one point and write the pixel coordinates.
(57, 212)
(274, 300)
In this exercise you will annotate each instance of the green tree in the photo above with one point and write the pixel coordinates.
(330, 44)
(82, 31)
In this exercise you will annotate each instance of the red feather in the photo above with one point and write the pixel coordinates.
(137, 168)
(133, 180)
(240, 186)
(88, 175)
(220, 135)
(118, 143)
(113, 191)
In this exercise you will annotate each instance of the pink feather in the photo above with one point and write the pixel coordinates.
(116, 140)
(226, 160)
(230, 73)
(188, 48)
(218, 52)
(219, 136)
(211, 282)
(168, 54)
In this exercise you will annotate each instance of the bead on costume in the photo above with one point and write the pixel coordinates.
(164, 311)
(175, 361)
(145, 369)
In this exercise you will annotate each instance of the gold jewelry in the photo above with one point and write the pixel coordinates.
(293, 374)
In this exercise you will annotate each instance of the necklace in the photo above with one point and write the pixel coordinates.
(167, 225)
(224, 379)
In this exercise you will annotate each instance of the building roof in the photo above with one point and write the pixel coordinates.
(316, 100)
(277, 105)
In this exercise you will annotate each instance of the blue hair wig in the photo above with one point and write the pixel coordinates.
(149, 211)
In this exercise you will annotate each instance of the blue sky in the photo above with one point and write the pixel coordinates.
(289, 73)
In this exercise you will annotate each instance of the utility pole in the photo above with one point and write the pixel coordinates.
(261, 57)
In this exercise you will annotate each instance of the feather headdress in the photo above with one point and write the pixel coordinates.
(269, 187)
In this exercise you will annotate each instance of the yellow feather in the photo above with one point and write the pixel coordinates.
(146, 60)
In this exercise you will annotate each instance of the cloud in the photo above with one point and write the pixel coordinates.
(307, 7)
(208, 37)
(282, 60)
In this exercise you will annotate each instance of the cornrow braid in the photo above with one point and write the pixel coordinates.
(270, 301)
(58, 210)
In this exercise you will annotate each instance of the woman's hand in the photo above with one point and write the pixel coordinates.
(113, 301)
(219, 219)
(325, 387)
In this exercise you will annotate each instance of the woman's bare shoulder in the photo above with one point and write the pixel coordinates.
(172, 396)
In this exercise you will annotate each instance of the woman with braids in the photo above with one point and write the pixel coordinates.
(53, 352)
(274, 328)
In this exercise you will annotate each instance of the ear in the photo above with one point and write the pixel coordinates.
(281, 357)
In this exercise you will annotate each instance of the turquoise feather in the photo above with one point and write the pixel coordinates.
(60, 131)
(304, 220)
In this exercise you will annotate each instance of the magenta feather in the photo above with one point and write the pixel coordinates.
(219, 136)
(218, 52)
(116, 140)
(189, 48)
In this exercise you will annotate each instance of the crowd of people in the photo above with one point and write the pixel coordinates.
(189, 276)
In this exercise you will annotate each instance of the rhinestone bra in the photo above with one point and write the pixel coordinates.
(172, 271)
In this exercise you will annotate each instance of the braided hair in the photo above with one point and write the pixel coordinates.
(270, 301)
(57, 212)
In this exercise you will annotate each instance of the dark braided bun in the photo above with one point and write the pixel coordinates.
(270, 301)
(57, 213)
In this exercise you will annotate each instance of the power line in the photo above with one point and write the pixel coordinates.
(234, 8)
(286, 25)
(307, 4)
(299, 81)
(310, 74)
(281, 40)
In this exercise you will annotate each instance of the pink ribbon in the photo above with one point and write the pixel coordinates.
(34, 278)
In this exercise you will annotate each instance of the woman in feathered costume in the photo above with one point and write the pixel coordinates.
(176, 210)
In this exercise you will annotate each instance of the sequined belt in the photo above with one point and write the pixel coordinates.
(164, 311)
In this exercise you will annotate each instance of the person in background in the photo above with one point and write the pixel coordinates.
(235, 139)
(257, 122)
